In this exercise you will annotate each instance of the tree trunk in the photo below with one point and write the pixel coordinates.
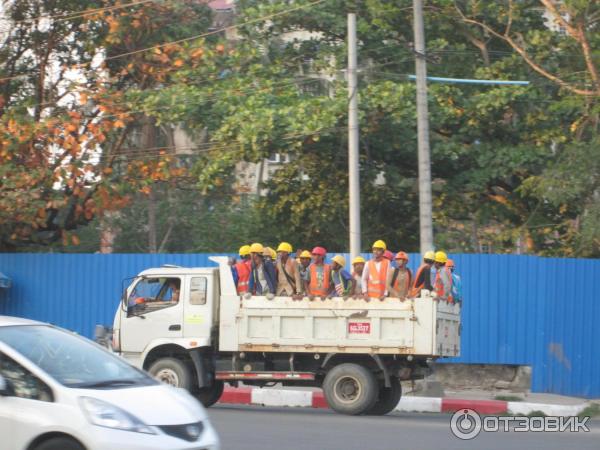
(148, 141)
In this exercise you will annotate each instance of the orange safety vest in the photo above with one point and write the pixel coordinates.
(396, 285)
(316, 286)
(416, 290)
(243, 270)
(376, 280)
(439, 285)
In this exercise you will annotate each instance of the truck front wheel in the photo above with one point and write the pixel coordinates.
(172, 371)
(210, 395)
(350, 389)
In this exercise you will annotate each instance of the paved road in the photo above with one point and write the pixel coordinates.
(255, 427)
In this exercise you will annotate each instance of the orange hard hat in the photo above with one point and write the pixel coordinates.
(402, 255)
(449, 263)
(319, 251)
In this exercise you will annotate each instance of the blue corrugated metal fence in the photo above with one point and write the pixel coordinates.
(541, 312)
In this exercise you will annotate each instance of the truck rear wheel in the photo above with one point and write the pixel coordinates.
(210, 395)
(387, 399)
(172, 371)
(350, 389)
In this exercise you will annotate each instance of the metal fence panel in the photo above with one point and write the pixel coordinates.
(517, 310)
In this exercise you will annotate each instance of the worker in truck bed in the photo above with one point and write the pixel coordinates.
(358, 265)
(443, 277)
(456, 282)
(319, 275)
(342, 283)
(289, 282)
(241, 270)
(305, 259)
(263, 279)
(423, 276)
(399, 278)
(375, 273)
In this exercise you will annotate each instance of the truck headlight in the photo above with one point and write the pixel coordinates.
(104, 414)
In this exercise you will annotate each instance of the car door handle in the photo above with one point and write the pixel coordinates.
(175, 328)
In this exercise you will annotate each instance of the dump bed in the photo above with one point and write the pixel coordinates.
(421, 326)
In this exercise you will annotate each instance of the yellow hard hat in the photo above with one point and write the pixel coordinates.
(429, 255)
(285, 247)
(379, 244)
(273, 253)
(441, 257)
(256, 248)
(305, 254)
(244, 250)
(340, 260)
(358, 259)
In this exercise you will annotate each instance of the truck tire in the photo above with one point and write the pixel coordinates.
(210, 395)
(59, 443)
(350, 389)
(172, 371)
(387, 399)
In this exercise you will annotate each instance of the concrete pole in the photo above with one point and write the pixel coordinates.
(353, 161)
(425, 208)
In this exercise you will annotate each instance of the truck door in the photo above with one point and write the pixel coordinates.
(198, 310)
(154, 311)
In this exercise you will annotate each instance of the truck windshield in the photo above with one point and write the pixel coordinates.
(72, 360)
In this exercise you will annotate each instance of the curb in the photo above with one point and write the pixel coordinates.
(316, 399)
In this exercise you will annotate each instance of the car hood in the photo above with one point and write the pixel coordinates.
(153, 405)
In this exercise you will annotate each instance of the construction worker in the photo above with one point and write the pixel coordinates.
(269, 254)
(389, 256)
(319, 276)
(399, 279)
(443, 277)
(289, 282)
(342, 283)
(241, 270)
(263, 279)
(456, 282)
(305, 258)
(358, 265)
(423, 276)
(374, 276)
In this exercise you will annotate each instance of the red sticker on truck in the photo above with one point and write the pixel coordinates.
(359, 327)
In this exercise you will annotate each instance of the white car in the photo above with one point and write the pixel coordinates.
(59, 391)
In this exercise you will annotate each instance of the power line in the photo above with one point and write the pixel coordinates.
(191, 38)
(77, 15)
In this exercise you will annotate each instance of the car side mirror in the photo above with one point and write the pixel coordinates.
(6, 389)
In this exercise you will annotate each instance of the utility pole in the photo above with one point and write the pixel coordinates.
(353, 161)
(425, 214)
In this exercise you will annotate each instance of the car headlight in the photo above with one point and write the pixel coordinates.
(104, 414)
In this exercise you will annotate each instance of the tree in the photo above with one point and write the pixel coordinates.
(67, 146)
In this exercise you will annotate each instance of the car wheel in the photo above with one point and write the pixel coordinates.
(172, 371)
(60, 443)
(208, 396)
(388, 398)
(350, 389)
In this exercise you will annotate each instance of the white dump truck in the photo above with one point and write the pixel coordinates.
(188, 327)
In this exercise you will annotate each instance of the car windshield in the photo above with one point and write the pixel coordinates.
(72, 360)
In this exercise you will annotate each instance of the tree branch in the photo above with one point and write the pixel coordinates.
(528, 59)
